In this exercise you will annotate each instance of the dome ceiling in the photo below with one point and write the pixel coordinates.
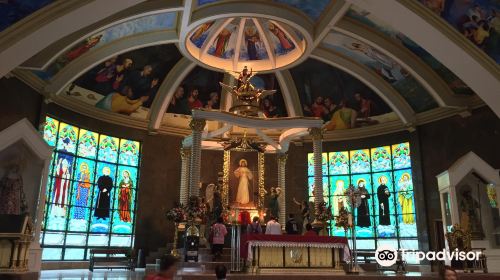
(258, 43)
(338, 51)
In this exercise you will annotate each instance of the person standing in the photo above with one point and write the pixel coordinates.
(219, 231)
(291, 226)
(254, 227)
(273, 227)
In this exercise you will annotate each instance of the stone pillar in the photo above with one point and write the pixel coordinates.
(185, 160)
(316, 135)
(282, 184)
(196, 126)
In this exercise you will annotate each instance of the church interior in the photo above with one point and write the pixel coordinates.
(297, 139)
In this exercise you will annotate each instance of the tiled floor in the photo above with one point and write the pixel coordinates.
(83, 274)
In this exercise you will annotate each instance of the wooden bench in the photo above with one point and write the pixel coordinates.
(111, 258)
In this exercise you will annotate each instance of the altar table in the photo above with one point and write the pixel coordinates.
(294, 251)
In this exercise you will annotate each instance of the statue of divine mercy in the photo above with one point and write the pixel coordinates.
(244, 175)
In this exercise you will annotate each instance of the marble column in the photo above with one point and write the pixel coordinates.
(282, 185)
(317, 137)
(196, 126)
(185, 160)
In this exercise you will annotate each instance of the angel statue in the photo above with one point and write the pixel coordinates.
(246, 93)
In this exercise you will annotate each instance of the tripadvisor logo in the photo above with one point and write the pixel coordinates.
(386, 255)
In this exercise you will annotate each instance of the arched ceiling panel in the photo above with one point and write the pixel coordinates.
(374, 24)
(126, 84)
(16, 46)
(391, 71)
(13, 11)
(477, 20)
(146, 24)
(322, 88)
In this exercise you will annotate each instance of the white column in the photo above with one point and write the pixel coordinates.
(316, 135)
(282, 184)
(196, 126)
(185, 160)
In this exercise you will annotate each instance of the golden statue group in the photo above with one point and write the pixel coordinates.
(246, 93)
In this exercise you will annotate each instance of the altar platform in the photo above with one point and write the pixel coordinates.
(294, 252)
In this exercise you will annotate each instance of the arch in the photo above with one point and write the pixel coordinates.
(443, 42)
(376, 83)
(166, 91)
(44, 58)
(33, 34)
(289, 92)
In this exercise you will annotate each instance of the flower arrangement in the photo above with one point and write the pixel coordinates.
(193, 210)
(176, 214)
(325, 212)
(342, 220)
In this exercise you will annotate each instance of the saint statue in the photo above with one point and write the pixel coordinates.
(469, 214)
(12, 197)
(406, 198)
(364, 207)
(209, 195)
(105, 184)
(244, 175)
(383, 195)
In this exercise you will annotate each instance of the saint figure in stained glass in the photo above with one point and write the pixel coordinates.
(406, 198)
(105, 184)
(339, 198)
(383, 195)
(125, 197)
(50, 131)
(364, 207)
(61, 186)
(82, 192)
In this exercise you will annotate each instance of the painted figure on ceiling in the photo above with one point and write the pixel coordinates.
(285, 43)
(221, 42)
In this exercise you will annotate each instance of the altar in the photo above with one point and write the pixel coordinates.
(294, 251)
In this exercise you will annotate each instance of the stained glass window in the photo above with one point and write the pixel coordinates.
(91, 192)
(386, 214)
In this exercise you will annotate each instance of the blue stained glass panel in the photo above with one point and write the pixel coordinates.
(360, 161)
(401, 155)
(122, 221)
(74, 254)
(386, 227)
(51, 254)
(108, 149)
(50, 131)
(324, 163)
(84, 170)
(87, 144)
(404, 193)
(381, 158)
(127, 175)
(338, 185)
(121, 240)
(339, 163)
(310, 164)
(383, 194)
(76, 239)
(129, 152)
(67, 138)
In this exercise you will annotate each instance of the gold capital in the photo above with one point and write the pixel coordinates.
(197, 124)
(316, 133)
(185, 153)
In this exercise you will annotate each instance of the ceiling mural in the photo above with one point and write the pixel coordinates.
(126, 84)
(339, 99)
(12, 11)
(366, 18)
(258, 43)
(409, 88)
(312, 8)
(162, 21)
(478, 20)
(199, 89)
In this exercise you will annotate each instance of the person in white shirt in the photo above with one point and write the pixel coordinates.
(273, 227)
